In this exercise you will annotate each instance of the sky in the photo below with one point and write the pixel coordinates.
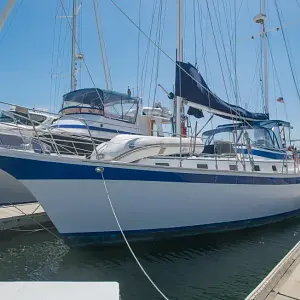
(35, 51)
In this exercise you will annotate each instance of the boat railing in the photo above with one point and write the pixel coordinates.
(77, 144)
(57, 116)
(45, 134)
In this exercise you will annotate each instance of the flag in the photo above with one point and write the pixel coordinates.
(280, 99)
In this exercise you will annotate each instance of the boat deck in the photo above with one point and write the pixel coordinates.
(283, 282)
(22, 215)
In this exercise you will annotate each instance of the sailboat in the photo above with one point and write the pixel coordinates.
(91, 116)
(87, 116)
(135, 182)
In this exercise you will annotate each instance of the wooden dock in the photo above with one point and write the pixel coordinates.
(22, 215)
(283, 282)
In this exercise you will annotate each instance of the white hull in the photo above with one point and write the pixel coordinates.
(152, 200)
(154, 206)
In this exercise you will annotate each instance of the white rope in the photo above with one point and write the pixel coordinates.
(127, 243)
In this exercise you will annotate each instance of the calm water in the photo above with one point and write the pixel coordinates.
(220, 266)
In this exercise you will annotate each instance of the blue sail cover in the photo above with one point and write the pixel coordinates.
(187, 88)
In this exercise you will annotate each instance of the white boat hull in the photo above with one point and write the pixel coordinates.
(150, 202)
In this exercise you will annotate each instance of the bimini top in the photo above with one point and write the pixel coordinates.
(269, 124)
(96, 97)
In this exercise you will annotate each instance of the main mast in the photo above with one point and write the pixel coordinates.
(179, 57)
(73, 59)
(261, 19)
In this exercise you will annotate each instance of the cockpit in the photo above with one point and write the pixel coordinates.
(95, 101)
(264, 134)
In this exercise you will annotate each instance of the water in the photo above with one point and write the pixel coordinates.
(220, 266)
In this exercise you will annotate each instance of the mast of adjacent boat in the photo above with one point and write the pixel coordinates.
(6, 11)
(261, 19)
(73, 59)
(75, 56)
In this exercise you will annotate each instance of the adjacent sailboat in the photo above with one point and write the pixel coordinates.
(91, 116)
(218, 186)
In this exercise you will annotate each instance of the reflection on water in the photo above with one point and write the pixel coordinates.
(216, 266)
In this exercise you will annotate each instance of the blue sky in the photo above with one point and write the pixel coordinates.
(27, 58)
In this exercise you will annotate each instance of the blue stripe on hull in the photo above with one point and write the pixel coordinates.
(93, 128)
(29, 169)
(264, 153)
(115, 237)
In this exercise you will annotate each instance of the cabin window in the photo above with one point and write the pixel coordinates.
(256, 168)
(111, 104)
(162, 164)
(202, 166)
(233, 167)
(22, 118)
(274, 168)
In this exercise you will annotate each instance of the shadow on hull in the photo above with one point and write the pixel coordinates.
(12, 191)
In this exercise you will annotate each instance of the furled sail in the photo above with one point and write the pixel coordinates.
(191, 86)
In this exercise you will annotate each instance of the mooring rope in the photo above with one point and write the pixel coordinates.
(125, 239)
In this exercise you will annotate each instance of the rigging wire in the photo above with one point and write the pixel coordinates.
(10, 23)
(200, 17)
(218, 53)
(235, 54)
(138, 52)
(80, 42)
(156, 49)
(288, 43)
(160, 38)
(232, 82)
(261, 70)
(101, 45)
(195, 34)
(168, 56)
(287, 50)
(83, 59)
(60, 58)
(104, 47)
(256, 70)
(275, 75)
(274, 89)
(78, 46)
(146, 59)
(52, 56)
(55, 67)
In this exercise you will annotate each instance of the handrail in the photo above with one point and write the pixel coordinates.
(79, 144)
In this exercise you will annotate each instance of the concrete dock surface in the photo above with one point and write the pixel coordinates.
(42, 290)
(283, 282)
(22, 215)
